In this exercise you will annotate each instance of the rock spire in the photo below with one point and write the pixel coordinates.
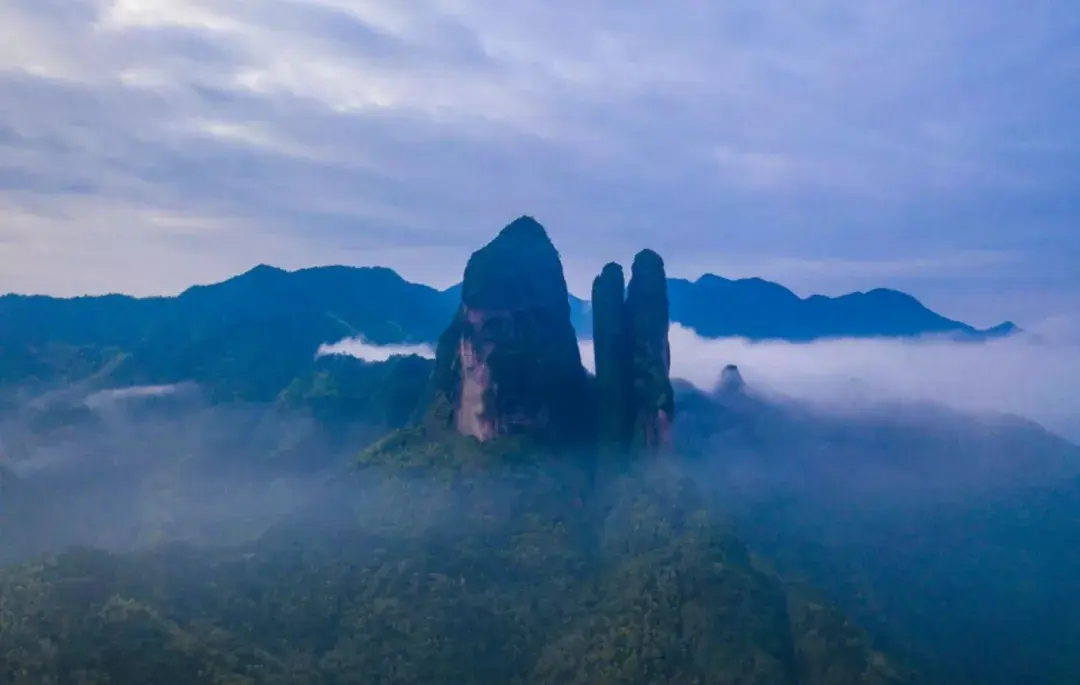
(612, 345)
(509, 361)
(633, 358)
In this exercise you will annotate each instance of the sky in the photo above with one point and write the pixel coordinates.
(830, 145)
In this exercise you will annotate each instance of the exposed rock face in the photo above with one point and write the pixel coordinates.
(648, 312)
(731, 380)
(633, 358)
(509, 362)
(612, 343)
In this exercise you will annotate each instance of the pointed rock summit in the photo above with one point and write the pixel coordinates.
(509, 363)
(612, 347)
(731, 380)
(648, 310)
(633, 358)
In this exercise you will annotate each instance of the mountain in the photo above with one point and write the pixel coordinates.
(249, 337)
(481, 544)
(752, 308)
(509, 361)
(246, 338)
(951, 538)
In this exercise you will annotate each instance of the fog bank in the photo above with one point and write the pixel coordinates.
(1035, 374)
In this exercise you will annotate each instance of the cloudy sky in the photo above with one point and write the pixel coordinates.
(832, 145)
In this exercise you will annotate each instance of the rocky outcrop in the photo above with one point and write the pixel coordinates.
(731, 381)
(612, 344)
(633, 358)
(509, 362)
(648, 311)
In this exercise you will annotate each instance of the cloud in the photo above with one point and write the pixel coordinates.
(744, 133)
(362, 349)
(1034, 375)
(104, 399)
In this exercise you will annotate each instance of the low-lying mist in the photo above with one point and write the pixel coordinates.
(1034, 375)
(126, 468)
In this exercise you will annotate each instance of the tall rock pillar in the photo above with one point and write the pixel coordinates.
(509, 363)
(612, 344)
(633, 359)
(648, 313)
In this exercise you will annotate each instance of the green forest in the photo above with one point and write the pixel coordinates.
(440, 561)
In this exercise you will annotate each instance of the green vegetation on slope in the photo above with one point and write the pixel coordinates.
(340, 390)
(244, 339)
(461, 562)
(954, 540)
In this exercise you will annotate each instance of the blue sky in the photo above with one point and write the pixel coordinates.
(831, 145)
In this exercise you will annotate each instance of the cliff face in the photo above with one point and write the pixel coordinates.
(647, 309)
(633, 358)
(612, 343)
(509, 362)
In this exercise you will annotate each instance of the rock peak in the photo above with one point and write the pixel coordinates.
(731, 380)
(612, 348)
(648, 311)
(509, 361)
(633, 359)
(647, 261)
(524, 226)
(520, 268)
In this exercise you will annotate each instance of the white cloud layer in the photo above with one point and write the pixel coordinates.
(1035, 376)
(370, 352)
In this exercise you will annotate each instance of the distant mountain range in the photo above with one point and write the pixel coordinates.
(753, 308)
(390, 309)
(756, 309)
(260, 327)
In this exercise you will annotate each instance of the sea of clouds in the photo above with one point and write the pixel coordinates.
(1035, 374)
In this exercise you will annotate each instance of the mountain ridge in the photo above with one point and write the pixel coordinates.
(248, 337)
(686, 303)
